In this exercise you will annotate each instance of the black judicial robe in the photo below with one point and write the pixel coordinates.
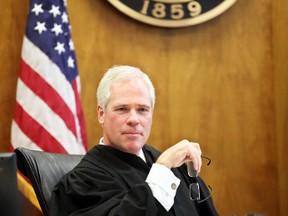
(110, 182)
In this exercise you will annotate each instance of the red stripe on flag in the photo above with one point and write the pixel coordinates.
(51, 97)
(80, 115)
(36, 132)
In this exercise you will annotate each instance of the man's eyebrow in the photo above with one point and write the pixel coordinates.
(127, 105)
(120, 105)
(144, 106)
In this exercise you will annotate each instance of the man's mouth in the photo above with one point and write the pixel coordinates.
(132, 133)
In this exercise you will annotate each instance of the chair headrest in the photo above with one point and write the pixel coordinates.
(44, 170)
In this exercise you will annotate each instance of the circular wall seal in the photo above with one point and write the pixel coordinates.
(172, 13)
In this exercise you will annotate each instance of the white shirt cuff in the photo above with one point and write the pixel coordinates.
(163, 184)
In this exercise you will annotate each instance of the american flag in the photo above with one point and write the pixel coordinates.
(48, 114)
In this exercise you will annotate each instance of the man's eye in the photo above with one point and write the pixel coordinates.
(120, 109)
(143, 110)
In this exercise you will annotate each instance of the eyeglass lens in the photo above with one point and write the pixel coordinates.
(194, 191)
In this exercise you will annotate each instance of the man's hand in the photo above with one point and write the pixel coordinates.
(180, 153)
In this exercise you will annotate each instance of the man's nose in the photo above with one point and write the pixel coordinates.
(133, 118)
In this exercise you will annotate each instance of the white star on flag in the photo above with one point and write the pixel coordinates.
(60, 48)
(70, 62)
(71, 45)
(55, 11)
(37, 9)
(64, 18)
(57, 29)
(40, 27)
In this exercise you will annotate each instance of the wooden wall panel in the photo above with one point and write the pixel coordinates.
(12, 24)
(220, 83)
(280, 35)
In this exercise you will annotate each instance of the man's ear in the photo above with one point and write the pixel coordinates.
(100, 114)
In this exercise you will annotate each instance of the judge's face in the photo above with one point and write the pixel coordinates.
(127, 119)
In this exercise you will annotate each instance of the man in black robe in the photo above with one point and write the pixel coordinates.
(123, 175)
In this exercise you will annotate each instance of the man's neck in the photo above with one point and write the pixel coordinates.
(140, 154)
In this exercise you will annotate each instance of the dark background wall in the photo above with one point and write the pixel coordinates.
(222, 83)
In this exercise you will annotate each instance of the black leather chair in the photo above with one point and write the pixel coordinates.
(44, 170)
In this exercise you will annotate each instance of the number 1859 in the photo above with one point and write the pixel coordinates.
(173, 11)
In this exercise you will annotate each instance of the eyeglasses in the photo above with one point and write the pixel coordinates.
(194, 188)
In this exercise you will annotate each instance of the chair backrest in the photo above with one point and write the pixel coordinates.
(44, 170)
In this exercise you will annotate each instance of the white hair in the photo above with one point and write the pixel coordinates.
(117, 74)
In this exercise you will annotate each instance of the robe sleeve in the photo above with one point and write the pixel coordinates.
(88, 191)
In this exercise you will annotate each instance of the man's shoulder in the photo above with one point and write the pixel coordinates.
(150, 148)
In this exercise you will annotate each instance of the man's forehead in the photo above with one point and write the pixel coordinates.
(130, 92)
(123, 104)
